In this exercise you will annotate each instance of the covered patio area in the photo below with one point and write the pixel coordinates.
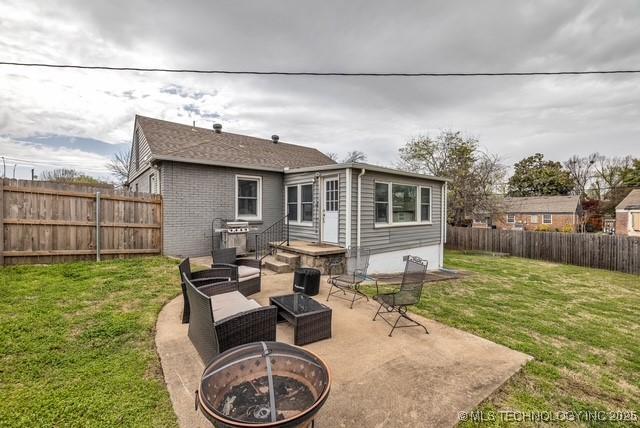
(410, 379)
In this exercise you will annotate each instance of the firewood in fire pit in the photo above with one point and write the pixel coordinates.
(249, 401)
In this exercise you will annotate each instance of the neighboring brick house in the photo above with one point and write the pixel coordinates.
(628, 215)
(207, 176)
(553, 213)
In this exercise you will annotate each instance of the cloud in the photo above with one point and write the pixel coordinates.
(197, 111)
(183, 92)
(49, 152)
(511, 116)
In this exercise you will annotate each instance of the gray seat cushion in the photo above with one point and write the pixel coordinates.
(229, 304)
(247, 272)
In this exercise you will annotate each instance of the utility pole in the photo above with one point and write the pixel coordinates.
(33, 174)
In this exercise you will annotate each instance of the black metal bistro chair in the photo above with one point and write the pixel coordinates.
(355, 272)
(217, 275)
(415, 272)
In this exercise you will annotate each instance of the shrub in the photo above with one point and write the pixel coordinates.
(567, 228)
(543, 228)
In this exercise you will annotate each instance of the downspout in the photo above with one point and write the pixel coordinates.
(347, 229)
(359, 207)
(443, 222)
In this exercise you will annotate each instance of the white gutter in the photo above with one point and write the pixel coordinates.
(347, 230)
(359, 208)
(370, 167)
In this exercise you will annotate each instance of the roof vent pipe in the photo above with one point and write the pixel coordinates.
(217, 128)
(275, 138)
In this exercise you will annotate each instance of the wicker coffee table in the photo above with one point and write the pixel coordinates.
(311, 320)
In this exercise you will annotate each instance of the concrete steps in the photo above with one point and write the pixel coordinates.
(292, 260)
(282, 262)
(271, 263)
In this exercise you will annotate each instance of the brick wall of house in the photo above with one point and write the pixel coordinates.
(558, 221)
(194, 195)
(622, 223)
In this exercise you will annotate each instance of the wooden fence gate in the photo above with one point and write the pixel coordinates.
(43, 222)
(619, 253)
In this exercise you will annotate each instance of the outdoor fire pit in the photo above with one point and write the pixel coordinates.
(264, 384)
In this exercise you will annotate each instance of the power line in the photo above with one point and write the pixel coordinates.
(318, 73)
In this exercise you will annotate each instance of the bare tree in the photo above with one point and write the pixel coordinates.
(332, 155)
(581, 170)
(72, 176)
(119, 166)
(609, 174)
(474, 174)
(355, 156)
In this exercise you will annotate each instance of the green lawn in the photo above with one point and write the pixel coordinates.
(77, 344)
(581, 325)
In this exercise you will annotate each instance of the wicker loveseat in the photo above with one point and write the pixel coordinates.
(248, 272)
(222, 321)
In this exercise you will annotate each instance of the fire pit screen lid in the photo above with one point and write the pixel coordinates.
(263, 383)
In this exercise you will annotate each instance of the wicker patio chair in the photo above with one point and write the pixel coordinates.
(415, 273)
(355, 272)
(241, 320)
(248, 272)
(216, 275)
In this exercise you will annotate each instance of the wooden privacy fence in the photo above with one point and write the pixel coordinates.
(619, 253)
(43, 222)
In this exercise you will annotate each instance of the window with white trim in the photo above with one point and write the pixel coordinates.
(511, 218)
(635, 221)
(425, 204)
(382, 203)
(292, 203)
(547, 218)
(404, 199)
(534, 219)
(399, 204)
(248, 197)
(300, 203)
(306, 203)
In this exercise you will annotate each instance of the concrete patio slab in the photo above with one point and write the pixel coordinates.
(411, 379)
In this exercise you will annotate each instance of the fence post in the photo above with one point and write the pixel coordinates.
(97, 226)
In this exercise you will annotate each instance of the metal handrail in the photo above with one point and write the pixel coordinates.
(277, 233)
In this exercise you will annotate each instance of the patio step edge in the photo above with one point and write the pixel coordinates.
(274, 265)
(292, 260)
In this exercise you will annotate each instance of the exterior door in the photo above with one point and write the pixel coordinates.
(330, 214)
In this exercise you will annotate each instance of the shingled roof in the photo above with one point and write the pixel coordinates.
(185, 143)
(541, 204)
(631, 202)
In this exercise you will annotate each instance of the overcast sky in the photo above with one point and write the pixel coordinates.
(77, 119)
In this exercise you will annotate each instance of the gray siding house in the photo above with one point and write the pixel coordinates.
(206, 175)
